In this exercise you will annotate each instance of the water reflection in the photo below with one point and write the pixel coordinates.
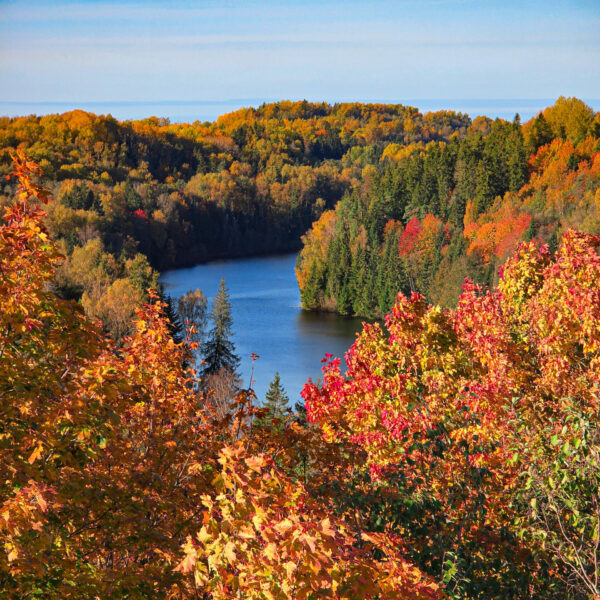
(327, 325)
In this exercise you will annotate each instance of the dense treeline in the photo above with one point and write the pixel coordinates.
(251, 182)
(140, 195)
(428, 215)
(458, 458)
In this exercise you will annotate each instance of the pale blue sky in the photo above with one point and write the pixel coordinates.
(81, 52)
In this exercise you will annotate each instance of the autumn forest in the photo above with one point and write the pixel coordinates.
(454, 455)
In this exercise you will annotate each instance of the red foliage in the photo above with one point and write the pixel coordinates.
(410, 237)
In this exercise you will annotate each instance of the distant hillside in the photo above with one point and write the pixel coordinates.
(140, 195)
(251, 182)
(429, 214)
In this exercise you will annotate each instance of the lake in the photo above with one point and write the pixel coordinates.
(188, 111)
(268, 319)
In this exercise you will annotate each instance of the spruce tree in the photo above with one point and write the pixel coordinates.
(276, 401)
(342, 269)
(218, 350)
(483, 189)
(310, 294)
(539, 134)
(366, 301)
(391, 277)
(175, 327)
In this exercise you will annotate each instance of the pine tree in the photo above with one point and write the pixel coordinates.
(362, 283)
(539, 135)
(367, 294)
(391, 277)
(517, 160)
(176, 329)
(344, 300)
(342, 269)
(483, 189)
(276, 401)
(218, 350)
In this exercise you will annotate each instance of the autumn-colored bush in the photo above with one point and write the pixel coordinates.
(263, 536)
(450, 406)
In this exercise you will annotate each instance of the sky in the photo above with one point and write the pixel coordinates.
(221, 54)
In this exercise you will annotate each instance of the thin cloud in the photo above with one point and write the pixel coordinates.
(326, 49)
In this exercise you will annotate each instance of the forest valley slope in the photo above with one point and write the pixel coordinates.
(388, 198)
(458, 458)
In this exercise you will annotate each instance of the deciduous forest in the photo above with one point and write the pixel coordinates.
(457, 457)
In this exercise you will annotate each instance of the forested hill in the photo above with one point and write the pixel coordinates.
(139, 196)
(252, 182)
(429, 214)
(134, 197)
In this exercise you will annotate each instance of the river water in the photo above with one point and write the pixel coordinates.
(268, 320)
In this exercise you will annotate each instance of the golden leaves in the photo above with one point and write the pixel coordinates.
(292, 547)
(109, 455)
(36, 454)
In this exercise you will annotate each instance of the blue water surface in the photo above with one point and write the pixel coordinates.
(188, 111)
(268, 319)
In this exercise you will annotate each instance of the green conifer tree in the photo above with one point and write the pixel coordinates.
(176, 328)
(218, 350)
(391, 277)
(539, 135)
(276, 404)
(517, 158)
(310, 294)
(276, 399)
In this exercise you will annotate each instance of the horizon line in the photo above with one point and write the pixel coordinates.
(283, 99)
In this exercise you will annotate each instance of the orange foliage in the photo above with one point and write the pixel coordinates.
(108, 461)
(315, 245)
(499, 232)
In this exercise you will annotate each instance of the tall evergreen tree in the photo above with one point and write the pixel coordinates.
(176, 328)
(218, 350)
(342, 269)
(516, 159)
(362, 282)
(310, 292)
(391, 278)
(539, 134)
